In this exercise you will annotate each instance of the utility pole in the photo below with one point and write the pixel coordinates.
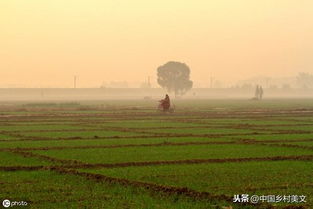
(75, 79)
(211, 82)
(149, 84)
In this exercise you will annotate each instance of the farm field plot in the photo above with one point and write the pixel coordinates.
(125, 154)
(109, 142)
(138, 154)
(46, 189)
(36, 127)
(6, 137)
(11, 159)
(214, 177)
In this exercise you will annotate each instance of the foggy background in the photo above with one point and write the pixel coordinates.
(230, 46)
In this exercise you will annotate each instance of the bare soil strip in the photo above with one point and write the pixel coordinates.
(254, 141)
(23, 168)
(80, 165)
(152, 135)
(117, 146)
(240, 141)
(40, 138)
(290, 146)
(77, 129)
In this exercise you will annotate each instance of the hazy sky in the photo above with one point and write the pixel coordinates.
(44, 43)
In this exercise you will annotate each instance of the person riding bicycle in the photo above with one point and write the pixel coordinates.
(165, 103)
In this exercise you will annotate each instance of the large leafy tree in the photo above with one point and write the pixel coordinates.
(175, 77)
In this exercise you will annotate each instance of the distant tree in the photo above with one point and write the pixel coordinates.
(257, 91)
(273, 86)
(286, 86)
(261, 92)
(247, 86)
(305, 80)
(175, 77)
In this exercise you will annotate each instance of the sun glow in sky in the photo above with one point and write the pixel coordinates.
(44, 43)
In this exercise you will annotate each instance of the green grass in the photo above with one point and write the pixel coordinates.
(11, 159)
(129, 154)
(7, 137)
(225, 178)
(44, 189)
(37, 127)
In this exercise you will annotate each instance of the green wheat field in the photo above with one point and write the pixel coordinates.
(126, 154)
